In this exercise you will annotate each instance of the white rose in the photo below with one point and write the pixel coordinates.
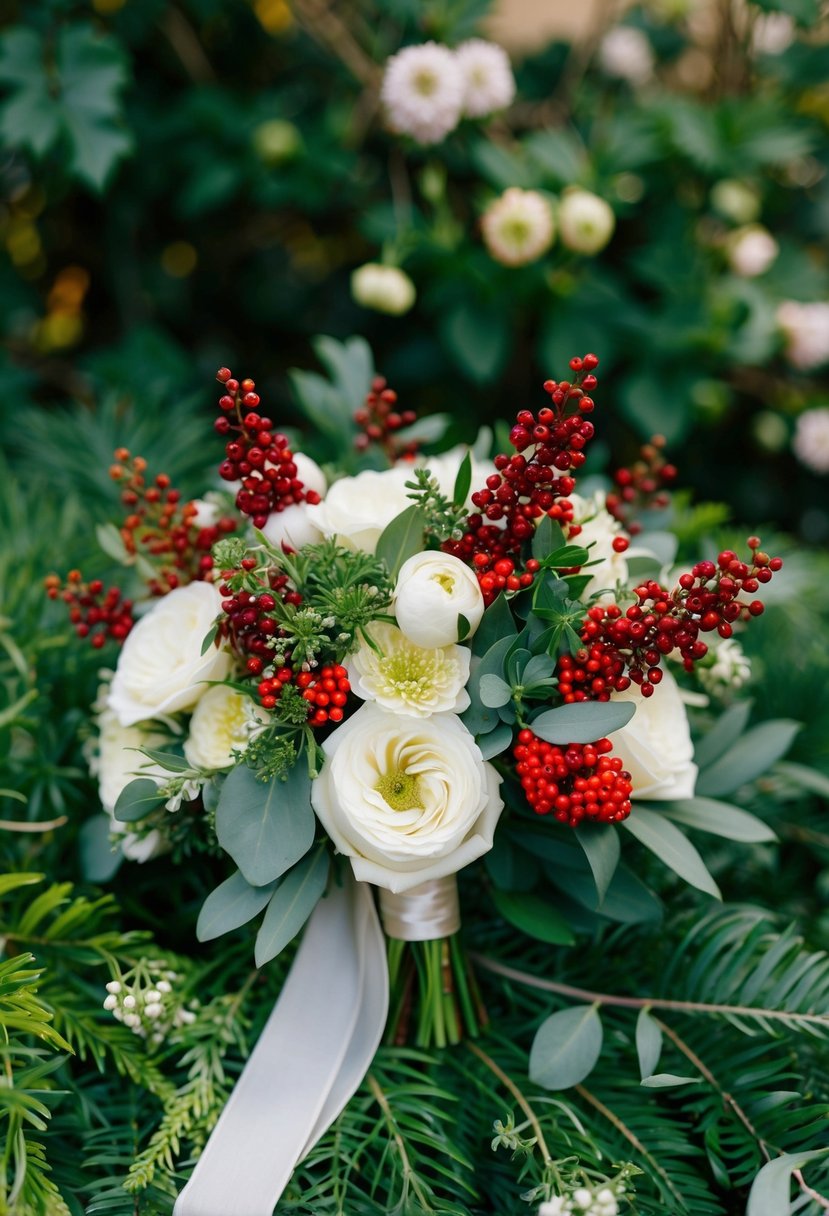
(655, 747)
(294, 527)
(224, 721)
(586, 222)
(161, 668)
(407, 799)
(433, 589)
(599, 529)
(357, 509)
(409, 679)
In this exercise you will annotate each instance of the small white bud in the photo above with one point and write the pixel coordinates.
(605, 1195)
(113, 986)
(111, 1002)
(582, 1197)
(383, 288)
(132, 1020)
(129, 1001)
(151, 997)
(154, 1010)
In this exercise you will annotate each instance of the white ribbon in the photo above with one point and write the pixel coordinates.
(316, 1048)
(424, 912)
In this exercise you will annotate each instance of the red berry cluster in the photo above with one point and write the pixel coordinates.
(642, 486)
(380, 420)
(705, 599)
(326, 692)
(255, 455)
(95, 613)
(501, 574)
(162, 528)
(591, 674)
(575, 782)
(249, 623)
(270, 689)
(525, 487)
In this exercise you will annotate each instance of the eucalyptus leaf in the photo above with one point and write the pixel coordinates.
(723, 734)
(672, 847)
(602, 849)
(648, 1044)
(266, 827)
(99, 859)
(167, 760)
(494, 691)
(401, 538)
(534, 916)
(291, 904)
(495, 741)
(751, 756)
(582, 722)
(496, 624)
(662, 1080)
(720, 819)
(566, 1047)
(807, 778)
(233, 903)
(137, 799)
(770, 1192)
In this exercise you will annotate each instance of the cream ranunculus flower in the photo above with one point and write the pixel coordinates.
(655, 746)
(224, 721)
(357, 509)
(598, 531)
(409, 679)
(116, 761)
(406, 799)
(433, 589)
(161, 668)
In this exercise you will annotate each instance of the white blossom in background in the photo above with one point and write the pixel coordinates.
(223, 722)
(599, 529)
(293, 526)
(735, 200)
(725, 669)
(383, 288)
(584, 1201)
(488, 82)
(145, 1002)
(811, 439)
(518, 227)
(773, 33)
(423, 92)
(625, 53)
(751, 251)
(585, 221)
(806, 330)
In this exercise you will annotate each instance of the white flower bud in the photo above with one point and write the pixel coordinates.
(811, 439)
(518, 227)
(132, 1020)
(433, 589)
(383, 288)
(151, 996)
(586, 222)
(751, 251)
(111, 1002)
(113, 986)
(153, 1010)
(129, 1001)
(582, 1197)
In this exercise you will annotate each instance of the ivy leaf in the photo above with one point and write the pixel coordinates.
(137, 799)
(566, 1047)
(534, 916)
(265, 827)
(291, 904)
(401, 538)
(672, 847)
(233, 903)
(583, 722)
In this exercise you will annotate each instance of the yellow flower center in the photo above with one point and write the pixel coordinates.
(446, 581)
(400, 790)
(425, 83)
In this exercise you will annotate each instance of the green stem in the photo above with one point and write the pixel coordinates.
(465, 1001)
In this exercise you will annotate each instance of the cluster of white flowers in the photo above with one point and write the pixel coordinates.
(383, 288)
(811, 439)
(751, 251)
(625, 53)
(145, 1002)
(806, 331)
(428, 88)
(519, 226)
(725, 669)
(584, 1201)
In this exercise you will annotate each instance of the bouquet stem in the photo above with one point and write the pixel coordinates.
(434, 995)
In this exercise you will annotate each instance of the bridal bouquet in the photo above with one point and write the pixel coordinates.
(402, 670)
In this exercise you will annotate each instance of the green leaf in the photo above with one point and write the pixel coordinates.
(92, 71)
(805, 12)
(494, 692)
(672, 847)
(771, 1190)
(137, 799)
(565, 557)
(582, 722)
(566, 1047)
(168, 760)
(99, 860)
(233, 903)
(495, 741)
(21, 56)
(496, 623)
(463, 481)
(725, 732)
(477, 337)
(31, 119)
(265, 827)
(291, 904)
(95, 149)
(807, 778)
(350, 365)
(753, 754)
(602, 850)
(11, 882)
(534, 916)
(720, 819)
(209, 638)
(463, 627)
(648, 1044)
(547, 537)
(662, 1080)
(109, 539)
(401, 538)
